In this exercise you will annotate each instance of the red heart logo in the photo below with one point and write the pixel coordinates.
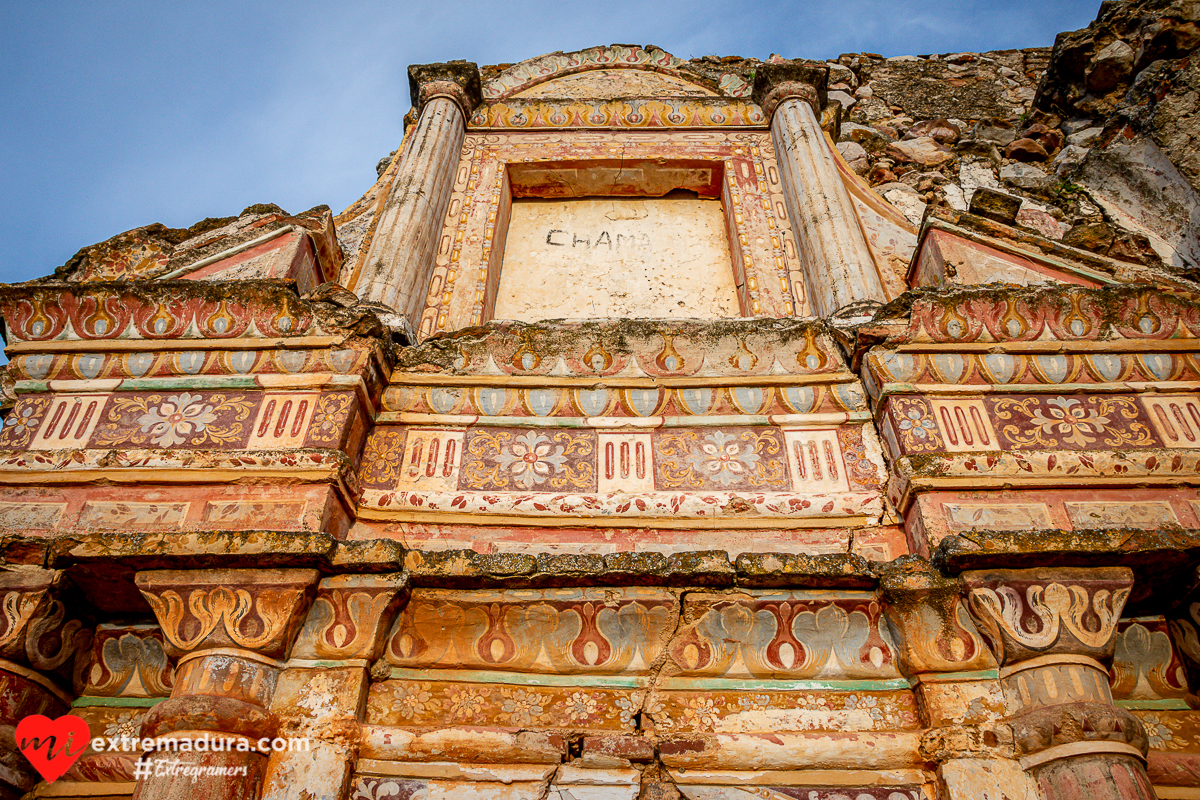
(52, 745)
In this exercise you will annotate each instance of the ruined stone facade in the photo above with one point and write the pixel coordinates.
(712, 429)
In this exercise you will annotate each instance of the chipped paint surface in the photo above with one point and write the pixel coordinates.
(553, 489)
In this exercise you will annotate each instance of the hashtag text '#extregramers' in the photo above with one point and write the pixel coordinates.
(175, 767)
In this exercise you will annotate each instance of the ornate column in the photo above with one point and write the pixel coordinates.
(229, 629)
(837, 262)
(398, 264)
(956, 682)
(1052, 629)
(39, 644)
(322, 693)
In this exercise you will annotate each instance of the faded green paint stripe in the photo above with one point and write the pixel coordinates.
(190, 382)
(519, 678)
(955, 677)
(734, 684)
(120, 702)
(1160, 704)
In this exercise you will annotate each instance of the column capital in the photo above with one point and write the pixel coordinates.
(255, 610)
(1027, 613)
(39, 630)
(457, 80)
(775, 82)
(928, 614)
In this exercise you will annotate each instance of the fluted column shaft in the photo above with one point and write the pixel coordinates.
(838, 266)
(398, 264)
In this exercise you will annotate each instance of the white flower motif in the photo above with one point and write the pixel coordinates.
(1158, 733)
(531, 459)
(465, 704)
(525, 708)
(703, 712)
(754, 702)
(1083, 424)
(411, 701)
(868, 703)
(628, 709)
(580, 707)
(722, 459)
(127, 724)
(176, 419)
(21, 423)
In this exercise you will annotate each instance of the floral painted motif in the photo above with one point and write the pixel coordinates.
(915, 426)
(702, 712)
(329, 419)
(381, 457)
(738, 457)
(23, 422)
(175, 420)
(1077, 425)
(411, 701)
(509, 459)
(424, 703)
(722, 460)
(1080, 423)
(523, 707)
(531, 459)
(128, 723)
(1170, 729)
(185, 419)
(581, 708)
(734, 711)
(465, 704)
(862, 471)
(370, 788)
(1159, 734)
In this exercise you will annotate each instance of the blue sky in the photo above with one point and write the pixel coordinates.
(119, 114)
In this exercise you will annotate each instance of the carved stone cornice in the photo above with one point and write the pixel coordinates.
(1028, 613)
(37, 629)
(457, 80)
(776, 82)
(349, 617)
(255, 610)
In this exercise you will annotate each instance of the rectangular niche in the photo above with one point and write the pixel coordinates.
(614, 239)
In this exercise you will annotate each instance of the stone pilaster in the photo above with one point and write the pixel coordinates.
(1053, 631)
(229, 630)
(956, 682)
(838, 266)
(39, 643)
(398, 264)
(322, 693)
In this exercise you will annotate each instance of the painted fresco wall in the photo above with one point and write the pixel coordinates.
(939, 542)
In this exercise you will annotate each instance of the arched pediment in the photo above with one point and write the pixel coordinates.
(611, 83)
(615, 71)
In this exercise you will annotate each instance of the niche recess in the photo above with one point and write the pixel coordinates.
(615, 238)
